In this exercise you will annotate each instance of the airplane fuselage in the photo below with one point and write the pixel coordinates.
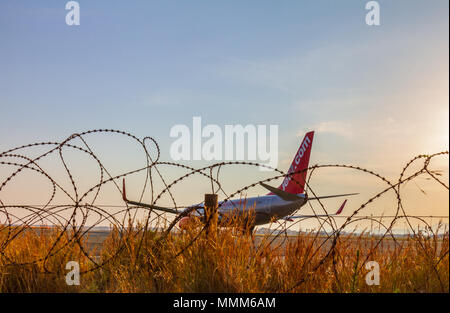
(264, 209)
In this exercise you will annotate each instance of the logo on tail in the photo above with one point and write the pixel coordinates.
(295, 183)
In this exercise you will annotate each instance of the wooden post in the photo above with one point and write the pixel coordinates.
(211, 205)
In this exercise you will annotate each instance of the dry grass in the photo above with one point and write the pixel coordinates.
(150, 262)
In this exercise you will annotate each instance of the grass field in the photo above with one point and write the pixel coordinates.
(148, 261)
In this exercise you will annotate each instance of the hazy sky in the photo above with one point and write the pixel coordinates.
(376, 95)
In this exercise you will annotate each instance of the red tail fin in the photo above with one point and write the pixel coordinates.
(300, 162)
(341, 207)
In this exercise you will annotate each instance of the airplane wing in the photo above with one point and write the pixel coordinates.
(154, 207)
(333, 196)
(286, 196)
(339, 211)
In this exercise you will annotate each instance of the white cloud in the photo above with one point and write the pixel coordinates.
(339, 128)
(335, 127)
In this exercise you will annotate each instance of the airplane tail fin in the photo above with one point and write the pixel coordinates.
(296, 183)
(341, 207)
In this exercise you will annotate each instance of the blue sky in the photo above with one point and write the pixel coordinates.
(143, 66)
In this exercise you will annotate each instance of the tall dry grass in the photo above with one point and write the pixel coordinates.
(135, 260)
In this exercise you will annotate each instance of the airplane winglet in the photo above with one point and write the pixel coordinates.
(342, 207)
(124, 194)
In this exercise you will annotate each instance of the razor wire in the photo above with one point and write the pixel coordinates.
(64, 216)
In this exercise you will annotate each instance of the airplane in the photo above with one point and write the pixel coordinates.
(279, 203)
